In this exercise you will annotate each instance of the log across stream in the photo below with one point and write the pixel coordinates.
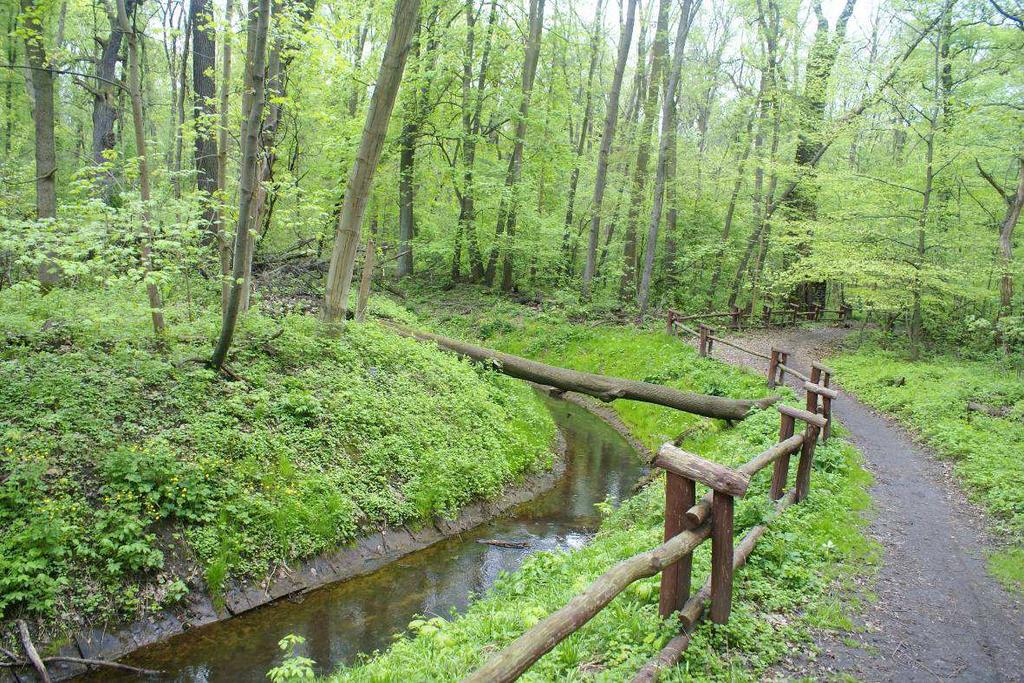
(361, 615)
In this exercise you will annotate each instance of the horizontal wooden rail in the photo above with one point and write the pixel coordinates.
(793, 371)
(511, 662)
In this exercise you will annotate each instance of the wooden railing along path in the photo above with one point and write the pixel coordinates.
(688, 523)
(787, 315)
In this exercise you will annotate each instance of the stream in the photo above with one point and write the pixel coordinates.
(361, 615)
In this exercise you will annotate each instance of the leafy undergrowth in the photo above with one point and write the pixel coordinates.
(930, 397)
(130, 475)
(795, 581)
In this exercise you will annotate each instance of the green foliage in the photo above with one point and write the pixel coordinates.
(124, 467)
(792, 584)
(294, 668)
(932, 400)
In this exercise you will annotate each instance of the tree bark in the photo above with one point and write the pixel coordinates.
(205, 153)
(611, 117)
(255, 86)
(135, 93)
(41, 77)
(357, 192)
(105, 110)
(601, 387)
(1014, 204)
(508, 206)
(668, 139)
(223, 248)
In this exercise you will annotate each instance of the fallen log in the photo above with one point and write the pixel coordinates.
(599, 386)
(498, 543)
(991, 411)
(30, 651)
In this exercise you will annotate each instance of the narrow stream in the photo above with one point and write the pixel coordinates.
(363, 614)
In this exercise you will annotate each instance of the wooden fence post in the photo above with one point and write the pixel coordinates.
(734, 317)
(783, 360)
(711, 342)
(821, 374)
(773, 367)
(766, 316)
(671, 324)
(814, 391)
(787, 426)
(703, 339)
(814, 425)
(721, 557)
(680, 496)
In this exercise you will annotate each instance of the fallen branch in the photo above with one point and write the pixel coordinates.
(86, 662)
(30, 651)
(599, 386)
(504, 544)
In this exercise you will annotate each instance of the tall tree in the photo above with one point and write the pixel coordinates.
(41, 80)
(665, 150)
(204, 109)
(357, 192)
(611, 117)
(135, 94)
(1014, 202)
(638, 185)
(255, 87)
(508, 207)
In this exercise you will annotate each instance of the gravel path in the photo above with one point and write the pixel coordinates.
(938, 615)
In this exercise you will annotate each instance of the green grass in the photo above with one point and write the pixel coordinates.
(127, 470)
(986, 451)
(796, 581)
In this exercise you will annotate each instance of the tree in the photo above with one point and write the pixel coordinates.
(611, 117)
(204, 92)
(508, 208)
(1014, 203)
(665, 151)
(41, 80)
(135, 93)
(357, 192)
(255, 86)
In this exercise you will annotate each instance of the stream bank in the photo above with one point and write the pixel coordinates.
(350, 617)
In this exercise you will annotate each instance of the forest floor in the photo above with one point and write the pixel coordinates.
(936, 613)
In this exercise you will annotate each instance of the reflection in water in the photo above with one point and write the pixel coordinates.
(363, 614)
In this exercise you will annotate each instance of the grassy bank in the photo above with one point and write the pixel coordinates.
(792, 584)
(131, 475)
(930, 398)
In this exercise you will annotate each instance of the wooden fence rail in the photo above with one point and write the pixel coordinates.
(687, 525)
(789, 314)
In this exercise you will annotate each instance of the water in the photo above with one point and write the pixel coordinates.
(363, 614)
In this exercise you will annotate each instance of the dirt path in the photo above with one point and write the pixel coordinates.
(938, 613)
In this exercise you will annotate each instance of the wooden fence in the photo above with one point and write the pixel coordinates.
(688, 523)
(790, 314)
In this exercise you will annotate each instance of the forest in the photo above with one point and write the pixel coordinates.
(282, 277)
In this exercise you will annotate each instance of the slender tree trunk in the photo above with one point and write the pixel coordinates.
(1014, 203)
(574, 175)
(507, 208)
(659, 54)
(223, 247)
(135, 93)
(611, 118)
(357, 192)
(730, 210)
(255, 86)
(668, 138)
(179, 110)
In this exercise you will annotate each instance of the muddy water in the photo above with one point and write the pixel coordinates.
(363, 614)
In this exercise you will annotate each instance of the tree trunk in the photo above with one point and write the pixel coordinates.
(357, 191)
(611, 117)
(507, 208)
(105, 109)
(255, 86)
(1014, 203)
(574, 175)
(668, 139)
(135, 93)
(222, 159)
(41, 78)
(803, 202)
(601, 387)
(659, 54)
(204, 50)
